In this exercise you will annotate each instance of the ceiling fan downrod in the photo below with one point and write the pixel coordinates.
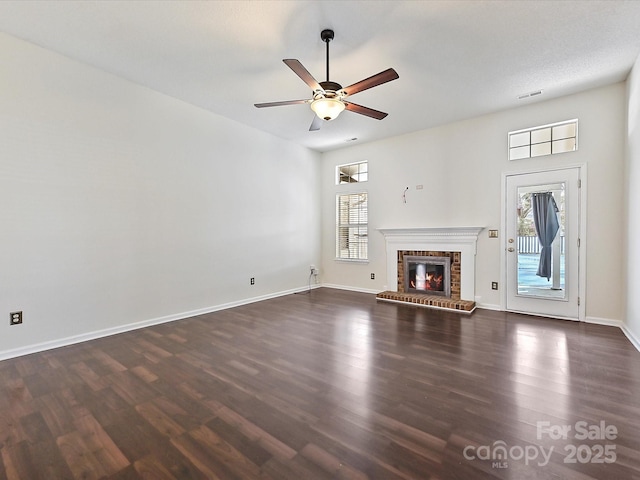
(330, 89)
(326, 36)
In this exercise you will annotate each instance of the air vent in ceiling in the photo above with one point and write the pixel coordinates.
(530, 94)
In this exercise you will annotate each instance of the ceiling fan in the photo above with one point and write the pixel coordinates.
(328, 98)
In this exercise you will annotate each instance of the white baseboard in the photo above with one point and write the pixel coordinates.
(351, 289)
(63, 342)
(631, 336)
(604, 321)
(489, 306)
(40, 347)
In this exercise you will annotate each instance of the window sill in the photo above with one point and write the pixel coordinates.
(351, 260)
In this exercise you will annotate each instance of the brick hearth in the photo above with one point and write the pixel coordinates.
(434, 301)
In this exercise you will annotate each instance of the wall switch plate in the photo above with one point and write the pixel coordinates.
(15, 318)
(494, 285)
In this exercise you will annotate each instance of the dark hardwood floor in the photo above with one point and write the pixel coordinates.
(328, 385)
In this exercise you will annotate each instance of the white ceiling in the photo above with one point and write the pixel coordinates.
(456, 59)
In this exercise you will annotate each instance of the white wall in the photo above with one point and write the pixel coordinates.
(632, 317)
(461, 167)
(121, 205)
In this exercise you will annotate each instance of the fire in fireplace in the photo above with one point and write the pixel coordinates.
(428, 275)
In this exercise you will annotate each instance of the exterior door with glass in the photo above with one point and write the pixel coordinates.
(542, 245)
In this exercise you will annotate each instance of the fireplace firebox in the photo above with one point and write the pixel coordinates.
(427, 275)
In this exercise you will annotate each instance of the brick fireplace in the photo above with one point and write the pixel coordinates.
(449, 284)
(457, 244)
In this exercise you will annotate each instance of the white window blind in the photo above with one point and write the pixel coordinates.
(352, 226)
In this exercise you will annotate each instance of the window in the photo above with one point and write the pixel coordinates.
(545, 140)
(352, 173)
(352, 213)
(352, 226)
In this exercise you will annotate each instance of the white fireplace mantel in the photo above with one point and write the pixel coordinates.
(447, 239)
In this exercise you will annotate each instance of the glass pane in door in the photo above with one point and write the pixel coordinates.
(540, 241)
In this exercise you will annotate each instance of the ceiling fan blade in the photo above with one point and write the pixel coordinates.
(303, 73)
(369, 112)
(315, 124)
(278, 104)
(373, 81)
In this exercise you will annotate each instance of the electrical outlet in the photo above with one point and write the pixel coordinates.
(15, 318)
(494, 285)
(373, 276)
(252, 281)
(312, 268)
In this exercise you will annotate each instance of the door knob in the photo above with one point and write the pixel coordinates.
(510, 249)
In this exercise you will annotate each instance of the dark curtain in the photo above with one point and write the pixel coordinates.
(545, 219)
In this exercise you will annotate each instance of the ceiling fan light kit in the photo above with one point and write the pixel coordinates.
(328, 98)
(327, 108)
